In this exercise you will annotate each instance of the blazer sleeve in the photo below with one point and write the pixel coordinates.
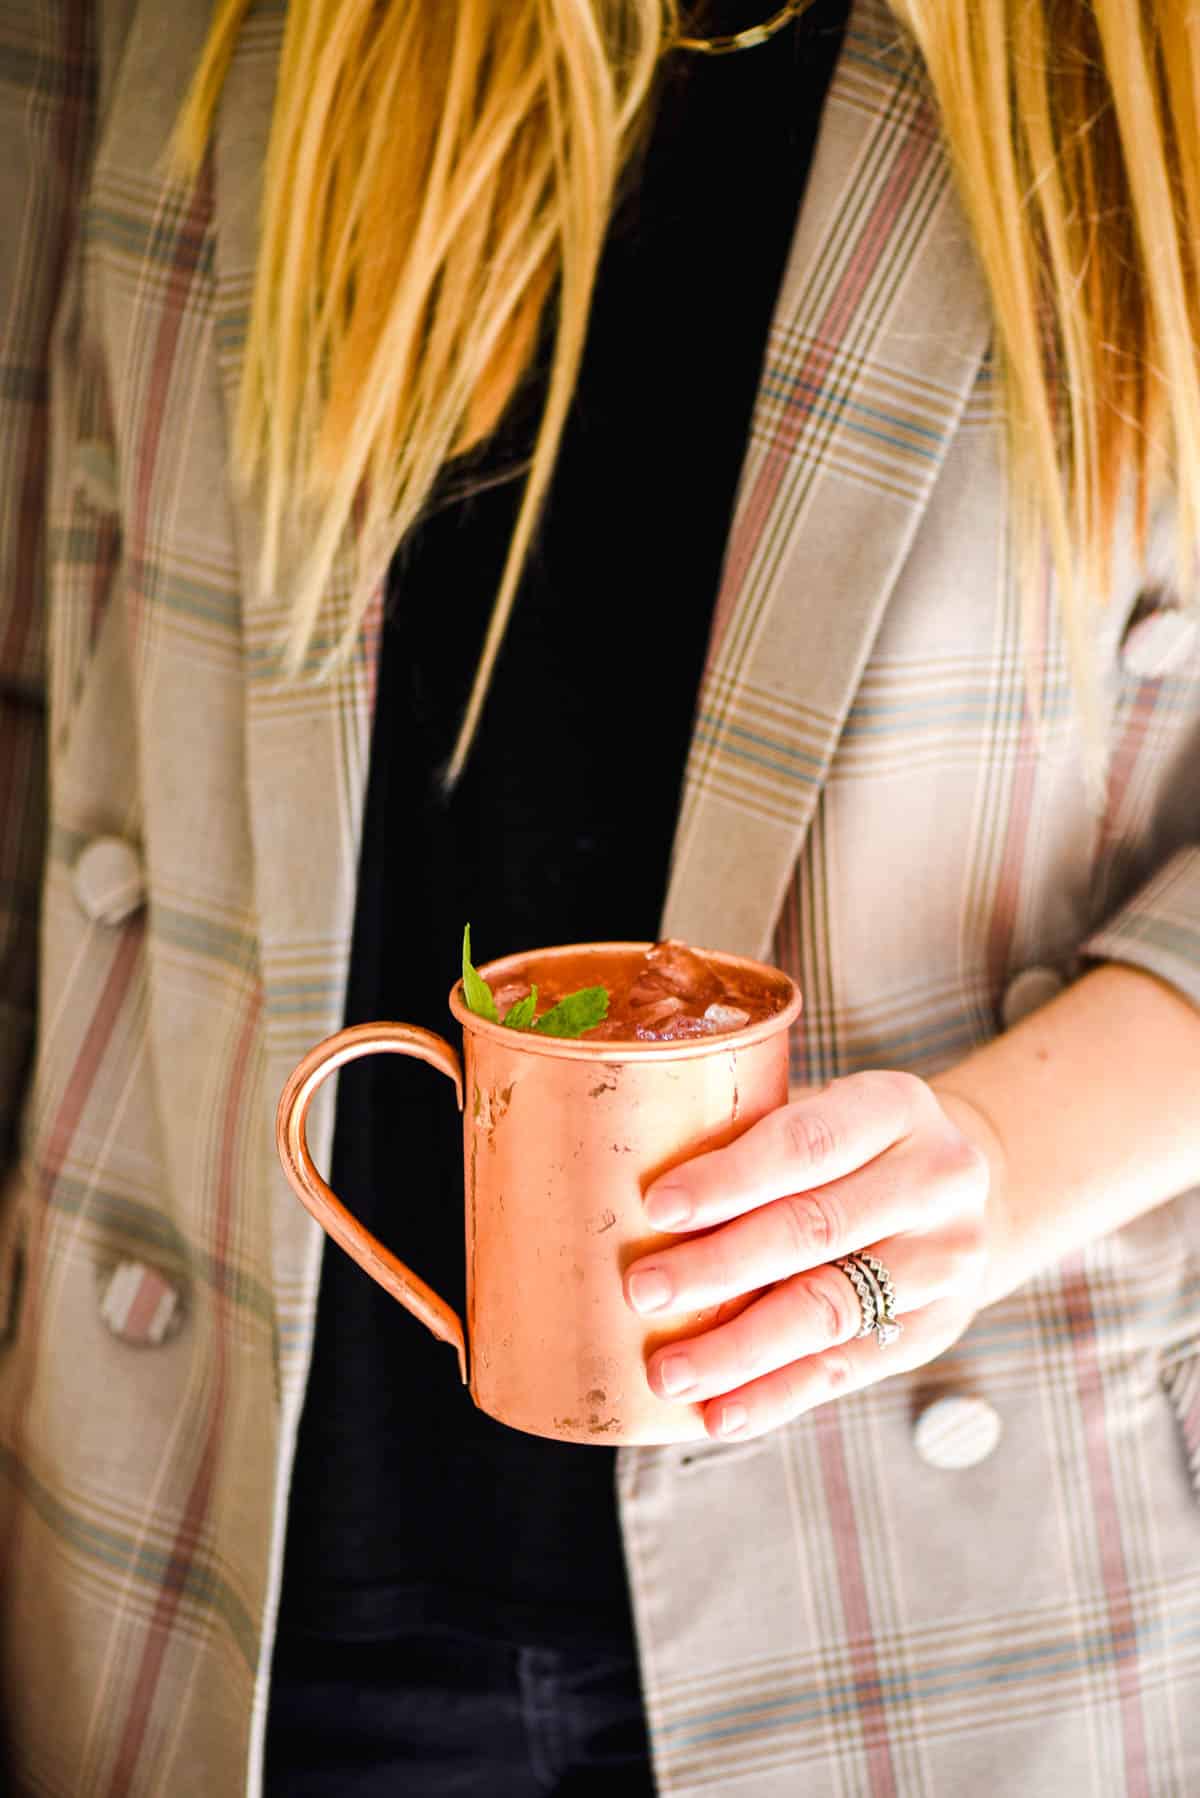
(47, 104)
(1158, 929)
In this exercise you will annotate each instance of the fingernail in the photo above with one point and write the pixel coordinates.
(667, 1205)
(732, 1419)
(676, 1374)
(649, 1291)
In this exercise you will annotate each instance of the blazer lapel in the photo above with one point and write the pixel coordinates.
(307, 743)
(881, 323)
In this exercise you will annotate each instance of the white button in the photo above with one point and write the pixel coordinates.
(1026, 991)
(139, 1305)
(955, 1432)
(110, 882)
(95, 474)
(1160, 643)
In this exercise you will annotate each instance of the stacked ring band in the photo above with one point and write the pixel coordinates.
(876, 1297)
(865, 1293)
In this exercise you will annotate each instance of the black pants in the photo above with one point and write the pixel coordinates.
(454, 1716)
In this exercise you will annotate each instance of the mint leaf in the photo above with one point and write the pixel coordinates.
(576, 1013)
(520, 1015)
(570, 1017)
(476, 990)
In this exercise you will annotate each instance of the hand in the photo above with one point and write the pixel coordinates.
(875, 1161)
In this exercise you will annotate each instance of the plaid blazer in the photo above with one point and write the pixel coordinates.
(836, 1609)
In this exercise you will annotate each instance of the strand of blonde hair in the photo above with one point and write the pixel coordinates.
(439, 182)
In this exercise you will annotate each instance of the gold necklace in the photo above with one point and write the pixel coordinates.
(740, 40)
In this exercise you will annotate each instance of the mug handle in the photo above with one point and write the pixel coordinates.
(291, 1141)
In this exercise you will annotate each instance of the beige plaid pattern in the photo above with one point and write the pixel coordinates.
(867, 799)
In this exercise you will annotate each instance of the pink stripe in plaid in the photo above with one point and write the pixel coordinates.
(856, 1608)
(810, 379)
(1104, 1507)
(1006, 898)
(108, 538)
(1123, 767)
(140, 1320)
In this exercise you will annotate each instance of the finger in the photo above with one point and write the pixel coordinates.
(920, 1184)
(788, 1392)
(803, 1316)
(806, 1143)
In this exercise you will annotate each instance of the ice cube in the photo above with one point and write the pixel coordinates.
(653, 1017)
(726, 1017)
(671, 967)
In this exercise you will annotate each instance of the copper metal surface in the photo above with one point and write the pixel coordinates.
(560, 1139)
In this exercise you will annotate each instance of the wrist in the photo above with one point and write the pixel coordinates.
(969, 1117)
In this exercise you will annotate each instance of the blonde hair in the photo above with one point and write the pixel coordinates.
(438, 184)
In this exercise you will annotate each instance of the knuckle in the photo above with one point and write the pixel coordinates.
(812, 1223)
(894, 1087)
(809, 1135)
(958, 1157)
(837, 1370)
(974, 1167)
(956, 1166)
(834, 1306)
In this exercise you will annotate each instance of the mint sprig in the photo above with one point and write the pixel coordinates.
(576, 1013)
(520, 1015)
(572, 1015)
(476, 990)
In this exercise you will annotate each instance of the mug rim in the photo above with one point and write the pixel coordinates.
(576, 1048)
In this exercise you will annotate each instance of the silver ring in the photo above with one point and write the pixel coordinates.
(876, 1294)
(864, 1291)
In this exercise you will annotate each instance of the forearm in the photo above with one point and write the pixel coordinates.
(1088, 1112)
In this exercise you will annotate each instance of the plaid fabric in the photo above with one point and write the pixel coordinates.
(820, 1612)
(824, 1612)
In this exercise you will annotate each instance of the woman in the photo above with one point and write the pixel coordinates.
(940, 769)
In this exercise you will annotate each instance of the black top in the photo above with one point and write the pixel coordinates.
(409, 1507)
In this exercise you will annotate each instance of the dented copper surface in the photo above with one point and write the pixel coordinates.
(560, 1138)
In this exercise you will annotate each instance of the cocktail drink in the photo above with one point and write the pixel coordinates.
(573, 1101)
(667, 993)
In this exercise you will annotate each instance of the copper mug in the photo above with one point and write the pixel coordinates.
(561, 1137)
